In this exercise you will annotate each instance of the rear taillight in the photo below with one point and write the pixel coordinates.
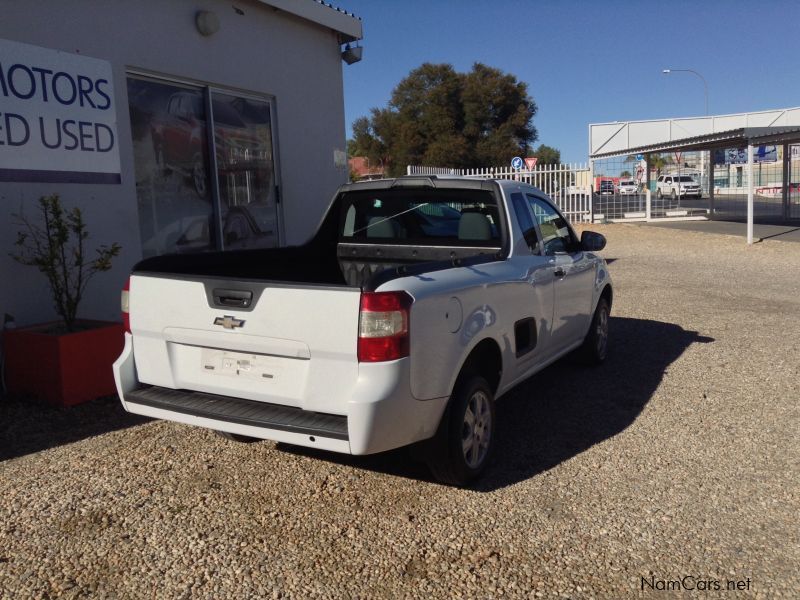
(383, 326)
(124, 301)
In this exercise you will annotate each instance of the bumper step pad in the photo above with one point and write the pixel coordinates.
(243, 412)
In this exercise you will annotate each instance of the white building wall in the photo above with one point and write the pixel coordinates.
(264, 50)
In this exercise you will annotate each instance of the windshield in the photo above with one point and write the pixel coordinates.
(685, 179)
(421, 217)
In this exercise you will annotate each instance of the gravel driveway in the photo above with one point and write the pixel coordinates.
(675, 463)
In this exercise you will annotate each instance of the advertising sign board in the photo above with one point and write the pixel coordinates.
(738, 156)
(58, 120)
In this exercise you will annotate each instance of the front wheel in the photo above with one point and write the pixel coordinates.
(464, 442)
(658, 194)
(595, 345)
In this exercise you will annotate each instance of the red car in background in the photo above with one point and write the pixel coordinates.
(180, 141)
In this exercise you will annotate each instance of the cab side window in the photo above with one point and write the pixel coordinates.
(525, 222)
(556, 235)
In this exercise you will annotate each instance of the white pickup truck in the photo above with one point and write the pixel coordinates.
(418, 302)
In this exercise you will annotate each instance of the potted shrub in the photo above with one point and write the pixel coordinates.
(68, 361)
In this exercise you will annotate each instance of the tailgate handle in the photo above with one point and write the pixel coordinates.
(232, 298)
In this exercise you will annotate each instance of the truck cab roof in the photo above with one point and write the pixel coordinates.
(434, 181)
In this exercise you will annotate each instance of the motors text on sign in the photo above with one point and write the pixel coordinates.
(58, 118)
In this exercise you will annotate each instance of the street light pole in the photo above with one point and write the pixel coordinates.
(703, 79)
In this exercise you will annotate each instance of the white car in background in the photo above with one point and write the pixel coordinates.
(677, 185)
(627, 187)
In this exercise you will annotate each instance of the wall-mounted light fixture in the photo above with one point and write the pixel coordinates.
(352, 54)
(207, 22)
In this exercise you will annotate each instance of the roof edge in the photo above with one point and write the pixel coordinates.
(346, 24)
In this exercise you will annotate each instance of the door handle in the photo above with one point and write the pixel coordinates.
(559, 272)
(232, 298)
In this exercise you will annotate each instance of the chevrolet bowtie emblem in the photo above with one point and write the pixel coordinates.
(229, 322)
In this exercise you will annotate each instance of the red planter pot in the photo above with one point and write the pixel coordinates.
(63, 368)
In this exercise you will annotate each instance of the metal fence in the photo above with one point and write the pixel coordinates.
(569, 185)
(621, 186)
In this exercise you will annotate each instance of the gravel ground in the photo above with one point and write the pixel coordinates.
(677, 458)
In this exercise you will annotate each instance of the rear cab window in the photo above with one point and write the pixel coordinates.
(422, 217)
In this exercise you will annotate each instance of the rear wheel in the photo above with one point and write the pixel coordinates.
(198, 176)
(463, 445)
(237, 437)
(595, 345)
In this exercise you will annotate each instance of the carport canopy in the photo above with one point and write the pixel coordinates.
(734, 138)
(779, 127)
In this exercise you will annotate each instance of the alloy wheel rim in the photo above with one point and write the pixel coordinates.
(476, 431)
(199, 176)
(602, 332)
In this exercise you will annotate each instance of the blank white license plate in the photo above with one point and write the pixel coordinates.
(239, 364)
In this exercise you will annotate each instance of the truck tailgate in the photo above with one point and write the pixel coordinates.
(293, 345)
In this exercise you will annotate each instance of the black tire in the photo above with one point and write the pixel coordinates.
(595, 345)
(450, 459)
(658, 193)
(237, 437)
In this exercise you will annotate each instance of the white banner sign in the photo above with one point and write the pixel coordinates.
(58, 119)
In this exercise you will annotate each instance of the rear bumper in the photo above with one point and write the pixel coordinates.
(381, 414)
(243, 412)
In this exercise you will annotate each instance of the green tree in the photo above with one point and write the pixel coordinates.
(625, 173)
(546, 155)
(659, 161)
(437, 116)
(56, 247)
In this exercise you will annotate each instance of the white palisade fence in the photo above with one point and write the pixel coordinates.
(568, 185)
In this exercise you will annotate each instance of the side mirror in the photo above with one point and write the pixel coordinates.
(592, 242)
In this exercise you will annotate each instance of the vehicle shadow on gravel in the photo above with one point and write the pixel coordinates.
(28, 426)
(563, 410)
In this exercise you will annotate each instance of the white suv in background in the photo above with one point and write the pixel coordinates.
(674, 185)
(627, 187)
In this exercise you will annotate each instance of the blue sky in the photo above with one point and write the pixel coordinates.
(588, 62)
